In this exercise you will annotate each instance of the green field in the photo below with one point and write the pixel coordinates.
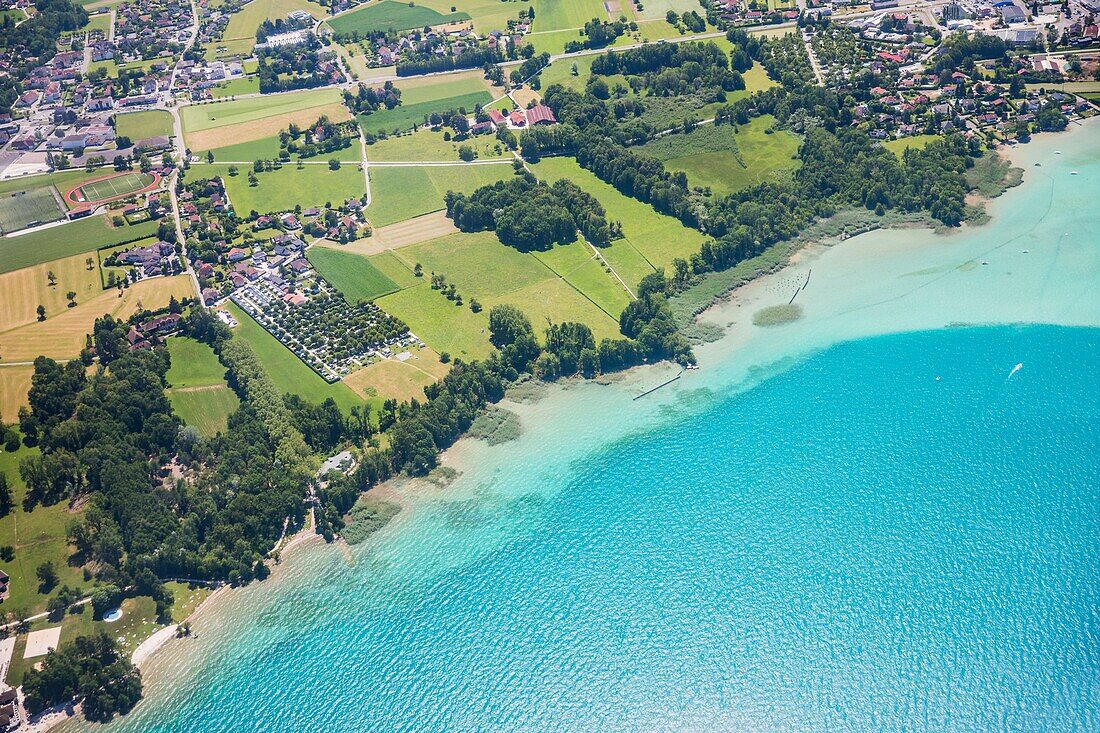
(916, 142)
(558, 285)
(656, 9)
(651, 240)
(141, 125)
(556, 15)
(351, 274)
(487, 15)
(197, 388)
(282, 189)
(67, 240)
(115, 186)
(236, 87)
(21, 210)
(715, 156)
(37, 536)
(401, 193)
(219, 114)
(389, 15)
(408, 114)
(287, 371)
(267, 148)
(429, 145)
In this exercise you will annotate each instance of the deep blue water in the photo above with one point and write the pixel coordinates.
(850, 546)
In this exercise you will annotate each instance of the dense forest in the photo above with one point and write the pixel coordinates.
(529, 216)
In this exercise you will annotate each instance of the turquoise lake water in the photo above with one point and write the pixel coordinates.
(811, 533)
(852, 545)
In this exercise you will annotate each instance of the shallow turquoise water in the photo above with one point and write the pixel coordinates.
(852, 545)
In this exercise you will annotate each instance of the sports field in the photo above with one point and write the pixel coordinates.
(112, 187)
(282, 189)
(82, 235)
(389, 15)
(197, 388)
(402, 193)
(140, 125)
(351, 274)
(26, 208)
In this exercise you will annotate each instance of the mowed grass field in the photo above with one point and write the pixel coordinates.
(422, 99)
(215, 125)
(267, 148)
(401, 380)
(428, 145)
(717, 157)
(62, 336)
(651, 240)
(83, 235)
(287, 371)
(27, 288)
(351, 274)
(486, 15)
(916, 142)
(22, 209)
(556, 15)
(197, 388)
(547, 286)
(281, 190)
(389, 15)
(140, 125)
(401, 193)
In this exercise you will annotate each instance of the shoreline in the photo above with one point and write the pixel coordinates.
(743, 355)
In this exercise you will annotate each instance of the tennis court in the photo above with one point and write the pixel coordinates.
(23, 209)
(112, 187)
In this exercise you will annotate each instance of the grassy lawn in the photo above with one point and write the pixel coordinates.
(66, 240)
(429, 145)
(579, 266)
(402, 380)
(25, 289)
(656, 9)
(413, 113)
(121, 185)
(393, 268)
(197, 388)
(351, 274)
(287, 371)
(389, 15)
(442, 325)
(656, 237)
(140, 125)
(478, 264)
(402, 193)
(487, 15)
(37, 536)
(282, 189)
(554, 15)
(236, 87)
(267, 148)
(916, 142)
(725, 161)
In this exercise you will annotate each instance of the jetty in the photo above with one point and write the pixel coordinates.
(665, 383)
